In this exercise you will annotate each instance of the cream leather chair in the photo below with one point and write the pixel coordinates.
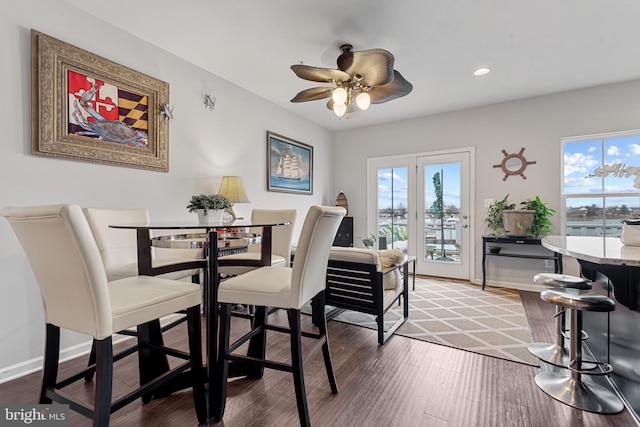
(119, 250)
(282, 287)
(280, 242)
(77, 296)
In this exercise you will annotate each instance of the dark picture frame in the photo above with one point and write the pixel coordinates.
(289, 165)
(88, 108)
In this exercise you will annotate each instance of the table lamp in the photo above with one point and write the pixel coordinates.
(233, 189)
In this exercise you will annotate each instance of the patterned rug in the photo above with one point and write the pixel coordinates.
(460, 315)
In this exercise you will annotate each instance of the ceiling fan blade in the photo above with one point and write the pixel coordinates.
(375, 66)
(397, 88)
(313, 94)
(316, 74)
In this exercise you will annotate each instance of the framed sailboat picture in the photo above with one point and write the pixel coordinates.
(290, 165)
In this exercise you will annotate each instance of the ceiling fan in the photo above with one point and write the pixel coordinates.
(362, 78)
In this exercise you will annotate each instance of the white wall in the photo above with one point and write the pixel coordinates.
(537, 124)
(203, 146)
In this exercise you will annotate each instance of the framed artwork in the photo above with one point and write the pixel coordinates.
(290, 165)
(85, 107)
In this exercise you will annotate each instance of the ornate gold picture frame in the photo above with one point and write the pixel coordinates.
(85, 107)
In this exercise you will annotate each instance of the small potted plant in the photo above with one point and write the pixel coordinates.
(532, 219)
(494, 218)
(203, 203)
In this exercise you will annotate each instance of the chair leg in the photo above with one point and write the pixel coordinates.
(197, 370)
(325, 347)
(51, 358)
(258, 344)
(218, 390)
(92, 359)
(104, 382)
(151, 364)
(296, 363)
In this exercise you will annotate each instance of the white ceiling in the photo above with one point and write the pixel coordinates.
(534, 47)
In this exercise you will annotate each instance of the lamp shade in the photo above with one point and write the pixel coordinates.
(233, 188)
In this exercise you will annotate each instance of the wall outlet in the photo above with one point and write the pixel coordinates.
(548, 263)
(487, 202)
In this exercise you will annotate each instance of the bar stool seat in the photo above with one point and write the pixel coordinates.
(556, 353)
(567, 385)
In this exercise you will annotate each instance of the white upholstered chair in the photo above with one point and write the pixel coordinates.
(77, 296)
(119, 247)
(280, 242)
(119, 252)
(282, 287)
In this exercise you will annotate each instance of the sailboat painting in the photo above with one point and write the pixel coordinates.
(290, 167)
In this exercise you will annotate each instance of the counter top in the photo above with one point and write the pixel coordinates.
(607, 250)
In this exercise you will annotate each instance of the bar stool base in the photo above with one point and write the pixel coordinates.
(587, 396)
(554, 355)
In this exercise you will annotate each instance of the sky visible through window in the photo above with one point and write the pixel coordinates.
(393, 185)
(583, 158)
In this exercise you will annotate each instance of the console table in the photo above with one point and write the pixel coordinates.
(524, 241)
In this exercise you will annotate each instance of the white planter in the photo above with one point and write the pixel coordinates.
(516, 223)
(212, 216)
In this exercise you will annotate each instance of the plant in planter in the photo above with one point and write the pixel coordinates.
(541, 225)
(494, 215)
(532, 219)
(203, 203)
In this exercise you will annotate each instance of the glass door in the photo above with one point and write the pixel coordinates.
(443, 226)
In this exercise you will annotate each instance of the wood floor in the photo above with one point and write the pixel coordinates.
(403, 383)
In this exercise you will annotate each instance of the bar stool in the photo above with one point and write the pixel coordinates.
(567, 385)
(556, 353)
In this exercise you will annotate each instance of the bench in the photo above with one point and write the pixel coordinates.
(361, 280)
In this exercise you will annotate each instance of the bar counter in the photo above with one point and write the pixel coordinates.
(615, 336)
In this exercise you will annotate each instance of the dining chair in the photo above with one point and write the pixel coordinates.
(77, 296)
(286, 288)
(119, 251)
(232, 265)
(119, 247)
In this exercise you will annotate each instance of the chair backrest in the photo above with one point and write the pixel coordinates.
(282, 235)
(67, 265)
(117, 247)
(312, 252)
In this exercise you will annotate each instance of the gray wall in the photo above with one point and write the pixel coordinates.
(536, 124)
(203, 146)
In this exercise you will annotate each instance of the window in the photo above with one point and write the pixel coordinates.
(601, 185)
(392, 206)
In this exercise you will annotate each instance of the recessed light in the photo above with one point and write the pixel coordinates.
(482, 71)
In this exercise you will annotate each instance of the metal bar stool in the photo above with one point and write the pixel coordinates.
(557, 353)
(567, 385)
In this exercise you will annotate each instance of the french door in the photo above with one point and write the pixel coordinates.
(421, 203)
(443, 224)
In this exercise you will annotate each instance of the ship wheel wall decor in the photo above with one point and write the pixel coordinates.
(514, 164)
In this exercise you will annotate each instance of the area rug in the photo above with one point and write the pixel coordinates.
(460, 315)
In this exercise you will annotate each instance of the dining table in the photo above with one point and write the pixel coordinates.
(211, 280)
(614, 269)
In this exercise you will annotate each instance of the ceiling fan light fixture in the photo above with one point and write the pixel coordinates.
(363, 100)
(361, 79)
(339, 109)
(339, 95)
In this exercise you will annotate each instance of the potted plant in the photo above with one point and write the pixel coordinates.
(494, 217)
(203, 203)
(531, 220)
(541, 225)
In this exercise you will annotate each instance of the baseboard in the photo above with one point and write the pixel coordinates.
(33, 365)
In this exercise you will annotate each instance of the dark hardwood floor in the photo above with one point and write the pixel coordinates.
(403, 383)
